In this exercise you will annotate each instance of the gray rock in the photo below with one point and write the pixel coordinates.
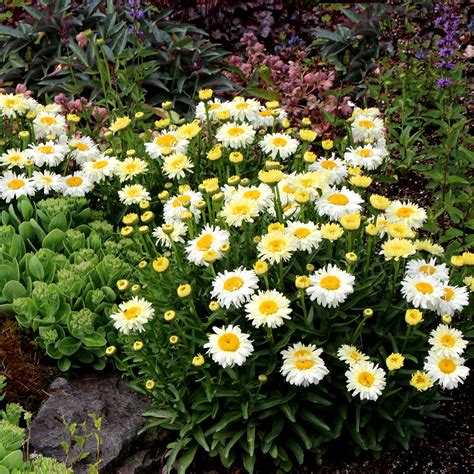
(107, 396)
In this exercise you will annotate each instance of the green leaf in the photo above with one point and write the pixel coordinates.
(186, 460)
(296, 449)
(68, 346)
(64, 364)
(264, 94)
(313, 419)
(14, 289)
(35, 268)
(94, 340)
(200, 438)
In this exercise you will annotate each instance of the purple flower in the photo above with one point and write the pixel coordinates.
(444, 82)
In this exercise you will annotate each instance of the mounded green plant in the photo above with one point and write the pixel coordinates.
(58, 276)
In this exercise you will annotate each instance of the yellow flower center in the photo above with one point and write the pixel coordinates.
(15, 158)
(242, 106)
(268, 307)
(241, 209)
(214, 106)
(424, 288)
(266, 113)
(233, 283)
(178, 162)
(167, 140)
(74, 182)
(338, 199)
(328, 164)
(330, 282)
(100, 164)
(366, 379)
(276, 245)
(228, 342)
(448, 341)
(354, 355)
(279, 141)
(428, 269)
(131, 313)
(205, 242)
(47, 179)
(302, 353)
(16, 184)
(82, 147)
(181, 201)
(10, 103)
(447, 366)
(253, 194)
(364, 153)
(448, 294)
(235, 131)
(48, 120)
(304, 364)
(46, 149)
(301, 233)
(366, 123)
(133, 192)
(405, 212)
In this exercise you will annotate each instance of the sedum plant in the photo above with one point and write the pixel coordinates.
(283, 306)
(58, 277)
(12, 439)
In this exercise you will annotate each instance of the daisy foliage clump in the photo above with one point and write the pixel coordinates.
(278, 303)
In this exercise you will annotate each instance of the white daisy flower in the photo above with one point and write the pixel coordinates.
(176, 165)
(166, 142)
(330, 286)
(307, 235)
(129, 168)
(186, 201)
(244, 109)
(13, 105)
(12, 186)
(419, 266)
(229, 346)
(279, 145)
(49, 153)
(366, 380)
(133, 194)
(84, 149)
(47, 181)
(367, 128)
(52, 108)
(132, 315)
(261, 194)
(166, 240)
(422, 291)
(312, 182)
(302, 365)
(101, 168)
(447, 341)
(210, 238)
(277, 246)
(213, 106)
(268, 308)
(49, 123)
(233, 288)
(237, 211)
(334, 169)
(76, 184)
(351, 355)
(455, 298)
(13, 157)
(372, 112)
(265, 118)
(448, 372)
(339, 202)
(411, 214)
(235, 135)
(366, 157)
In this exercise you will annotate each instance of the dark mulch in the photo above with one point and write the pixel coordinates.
(27, 370)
